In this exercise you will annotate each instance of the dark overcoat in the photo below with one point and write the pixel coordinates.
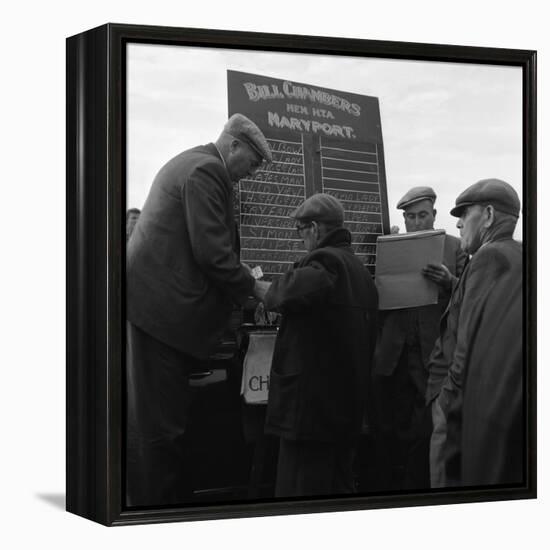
(183, 273)
(323, 352)
(482, 395)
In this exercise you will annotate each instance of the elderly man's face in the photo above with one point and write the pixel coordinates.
(419, 216)
(470, 225)
(243, 161)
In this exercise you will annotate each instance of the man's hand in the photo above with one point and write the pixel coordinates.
(439, 274)
(260, 290)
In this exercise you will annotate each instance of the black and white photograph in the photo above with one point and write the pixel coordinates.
(324, 276)
(274, 275)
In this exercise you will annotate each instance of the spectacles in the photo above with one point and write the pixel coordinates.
(300, 228)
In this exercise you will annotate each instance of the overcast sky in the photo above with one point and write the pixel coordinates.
(446, 125)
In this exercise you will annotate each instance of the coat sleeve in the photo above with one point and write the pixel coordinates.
(205, 203)
(300, 288)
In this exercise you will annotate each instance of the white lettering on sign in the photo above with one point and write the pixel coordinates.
(304, 125)
(319, 96)
(298, 109)
(257, 92)
(322, 113)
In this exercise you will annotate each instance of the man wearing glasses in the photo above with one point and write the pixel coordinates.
(183, 277)
(321, 361)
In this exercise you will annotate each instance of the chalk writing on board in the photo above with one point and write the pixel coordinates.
(266, 200)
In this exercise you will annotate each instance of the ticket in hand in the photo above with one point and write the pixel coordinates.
(257, 272)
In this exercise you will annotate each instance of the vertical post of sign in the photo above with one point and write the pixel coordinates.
(312, 165)
(322, 140)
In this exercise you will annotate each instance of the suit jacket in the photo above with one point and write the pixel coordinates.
(482, 394)
(183, 273)
(321, 362)
(397, 325)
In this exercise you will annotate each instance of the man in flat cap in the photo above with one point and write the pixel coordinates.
(321, 362)
(183, 279)
(406, 339)
(476, 381)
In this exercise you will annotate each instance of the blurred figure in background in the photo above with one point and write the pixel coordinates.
(132, 216)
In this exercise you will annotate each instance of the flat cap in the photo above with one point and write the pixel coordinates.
(320, 208)
(243, 128)
(501, 195)
(416, 194)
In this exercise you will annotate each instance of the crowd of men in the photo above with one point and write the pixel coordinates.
(440, 385)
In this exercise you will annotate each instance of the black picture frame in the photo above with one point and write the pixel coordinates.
(95, 275)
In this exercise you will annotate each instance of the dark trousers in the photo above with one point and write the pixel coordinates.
(308, 468)
(158, 401)
(403, 425)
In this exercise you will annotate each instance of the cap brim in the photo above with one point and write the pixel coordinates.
(459, 208)
(244, 137)
(403, 205)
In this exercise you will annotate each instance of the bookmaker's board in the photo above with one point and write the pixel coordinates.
(323, 141)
